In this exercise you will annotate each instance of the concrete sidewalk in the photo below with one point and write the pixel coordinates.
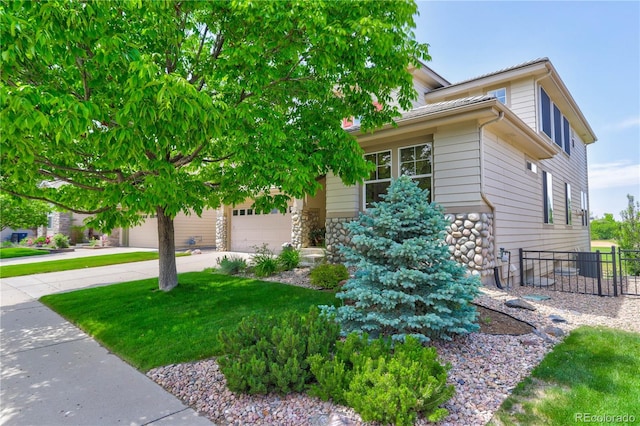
(55, 374)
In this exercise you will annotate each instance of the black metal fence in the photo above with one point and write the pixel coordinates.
(604, 273)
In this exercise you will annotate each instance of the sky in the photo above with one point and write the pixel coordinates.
(594, 46)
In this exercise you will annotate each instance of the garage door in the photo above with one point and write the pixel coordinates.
(250, 230)
(145, 235)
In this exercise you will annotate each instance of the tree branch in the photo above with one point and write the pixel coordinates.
(70, 181)
(99, 173)
(56, 203)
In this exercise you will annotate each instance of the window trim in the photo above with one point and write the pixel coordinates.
(493, 93)
(557, 124)
(373, 181)
(547, 197)
(424, 175)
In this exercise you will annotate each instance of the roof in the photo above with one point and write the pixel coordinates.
(503, 70)
(435, 107)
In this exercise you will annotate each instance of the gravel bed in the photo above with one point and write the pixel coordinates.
(484, 368)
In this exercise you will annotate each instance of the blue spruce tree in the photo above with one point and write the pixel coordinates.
(405, 281)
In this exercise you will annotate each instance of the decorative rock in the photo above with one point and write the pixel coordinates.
(520, 304)
(554, 331)
(475, 217)
(456, 234)
(468, 224)
(470, 245)
(466, 232)
(557, 318)
(478, 259)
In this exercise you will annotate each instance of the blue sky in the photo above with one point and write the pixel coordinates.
(594, 46)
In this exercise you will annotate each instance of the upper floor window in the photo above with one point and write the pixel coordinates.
(380, 177)
(553, 123)
(500, 94)
(415, 162)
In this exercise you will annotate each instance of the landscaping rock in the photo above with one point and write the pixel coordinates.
(554, 331)
(520, 304)
(557, 318)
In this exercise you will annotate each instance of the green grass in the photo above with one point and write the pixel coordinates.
(149, 328)
(594, 371)
(10, 252)
(77, 263)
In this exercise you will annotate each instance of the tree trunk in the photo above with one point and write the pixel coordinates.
(168, 277)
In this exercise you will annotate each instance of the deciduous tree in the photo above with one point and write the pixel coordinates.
(166, 106)
(19, 213)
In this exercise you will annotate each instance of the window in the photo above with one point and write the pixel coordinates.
(547, 196)
(553, 123)
(380, 177)
(532, 167)
(567, 203)
(415, 162)
(584, 207)
(50, 221)
(500, 94)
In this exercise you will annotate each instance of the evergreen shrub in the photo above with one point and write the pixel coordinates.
(328, 275)
(267, 354)
(381, 385)
(405, 283)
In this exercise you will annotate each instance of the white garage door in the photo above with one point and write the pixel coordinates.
(250, 230)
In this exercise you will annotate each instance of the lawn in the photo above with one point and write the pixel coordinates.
(77, 263)
(593, 372)
(10, 252)
(150, 328)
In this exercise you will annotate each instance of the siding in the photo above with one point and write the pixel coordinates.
(522, 101)
(202, 229)
(517, 196)
(456, 165)
(341, 198)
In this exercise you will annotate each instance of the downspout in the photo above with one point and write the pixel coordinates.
(482, 191)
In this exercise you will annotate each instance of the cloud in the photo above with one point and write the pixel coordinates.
(625, 124)
(614, 175)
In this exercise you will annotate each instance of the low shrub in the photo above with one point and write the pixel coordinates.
(233, 265)
(289, 258)
(264, 262)
(267, 354)
(328, 275)
(61, 241)
(381, 385)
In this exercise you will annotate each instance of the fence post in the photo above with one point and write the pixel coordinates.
(615, 275)
(599, 271)
(520, 251)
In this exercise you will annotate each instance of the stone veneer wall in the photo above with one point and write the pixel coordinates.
(302, 222)
(335, 235)
(221, 232)
(469, 236)
(60, 224)
(470, 239)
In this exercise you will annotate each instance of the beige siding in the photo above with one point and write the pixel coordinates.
(341, 198)
(456, 165)
(522, 101)
(517, 196)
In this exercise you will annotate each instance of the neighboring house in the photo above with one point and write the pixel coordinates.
(504, 154)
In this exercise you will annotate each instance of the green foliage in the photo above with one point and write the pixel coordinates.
(289, 258)
(179, 106)
(264, 263)
(317, 236)
(61, 241)
(269, 354)
(629, 236)
(150, 328)
(406, 284)
(18, 213)
(232, 265)
(328, 276)
(384, 386)
(605, 229)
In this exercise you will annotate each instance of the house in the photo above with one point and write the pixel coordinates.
(505, 154)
